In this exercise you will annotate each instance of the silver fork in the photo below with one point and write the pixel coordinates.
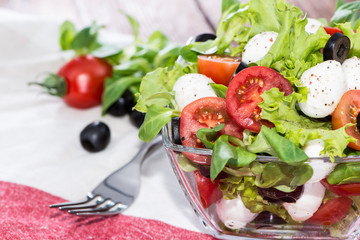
(116, 192)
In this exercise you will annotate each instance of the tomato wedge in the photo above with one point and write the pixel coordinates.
(346, 190)
(243, 95)
(346, 112)
(218, 67)
(330, 212)
(332, 30)
(209, 191)
(206, 112)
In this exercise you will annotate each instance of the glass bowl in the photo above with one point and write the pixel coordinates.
(267, 228)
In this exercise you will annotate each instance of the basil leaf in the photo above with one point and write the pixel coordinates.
(286, 150)
(157, 41)
(219, 89)
(115, 88)
(275, 174)
(188, 54)
(301, 175)
(132, 66)
(208, 135)
(185, 164)
(85, 41)
(156, 117)
(345, 173)
(134, 25)
(167, 56)
(347, 12)
(107, 50)
(67, 34)
(225, 153)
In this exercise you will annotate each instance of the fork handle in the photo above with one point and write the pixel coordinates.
(124, 183)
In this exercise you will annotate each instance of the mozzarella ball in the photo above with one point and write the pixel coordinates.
(351, 68)
(326, 85)
(312, 25)
(308, 203)
(191, 87)
(321, 168)
(233, 213)
(258, 47)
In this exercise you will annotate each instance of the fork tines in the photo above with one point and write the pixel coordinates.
(93, 205)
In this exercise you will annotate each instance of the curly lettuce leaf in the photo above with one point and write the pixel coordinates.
(156, 87)
(232, 187)
(281, 110)
(354, 37)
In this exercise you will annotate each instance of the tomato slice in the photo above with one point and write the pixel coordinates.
(209, 191)
(243, 95)
(218, 67)
(332, 211)
(206, 112)
(346, 190)
(332, 30)
(346, 112)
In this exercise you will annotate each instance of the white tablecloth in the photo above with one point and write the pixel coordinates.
(39, 134)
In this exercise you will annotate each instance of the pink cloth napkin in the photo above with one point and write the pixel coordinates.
(25, 214)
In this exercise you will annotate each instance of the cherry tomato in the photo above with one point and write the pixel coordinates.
(243, 95)
(209, 191)
(332, 30)
(346, 190)
(332, 211)
(346, 112)
(205, 112)
(219, 68)
(84, 76)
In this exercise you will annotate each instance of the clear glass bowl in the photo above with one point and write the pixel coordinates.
(212, 224)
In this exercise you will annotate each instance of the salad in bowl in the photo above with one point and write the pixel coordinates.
(261, 122)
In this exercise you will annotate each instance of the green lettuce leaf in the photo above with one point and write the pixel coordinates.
(232, 187)
(345, 173)
(281, 110)
(273, 174)
(157, 87)
(346, 12)
(224, 153)
(354, 37)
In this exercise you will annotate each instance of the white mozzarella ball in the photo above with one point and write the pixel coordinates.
(258, 47)
(308, 203)
(312, 25)
(326, 84)
(321, 168)
(351, 68)
(191, 87)
(233, 213)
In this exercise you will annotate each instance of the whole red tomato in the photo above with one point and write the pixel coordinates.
(84, 77)
(80, 82)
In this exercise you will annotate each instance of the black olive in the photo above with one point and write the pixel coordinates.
(122, 105)
(268, 218)
(137, 118)
(337, 47)
(205, 171)
(95, 136)
(175, 127)
(275, 196)
(204, 37)
(240, 67)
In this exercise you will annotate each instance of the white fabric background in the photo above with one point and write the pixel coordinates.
(39, 134)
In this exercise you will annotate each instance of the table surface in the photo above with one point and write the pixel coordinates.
(178, 19)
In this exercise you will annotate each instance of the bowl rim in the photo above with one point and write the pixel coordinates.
(168, 142)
